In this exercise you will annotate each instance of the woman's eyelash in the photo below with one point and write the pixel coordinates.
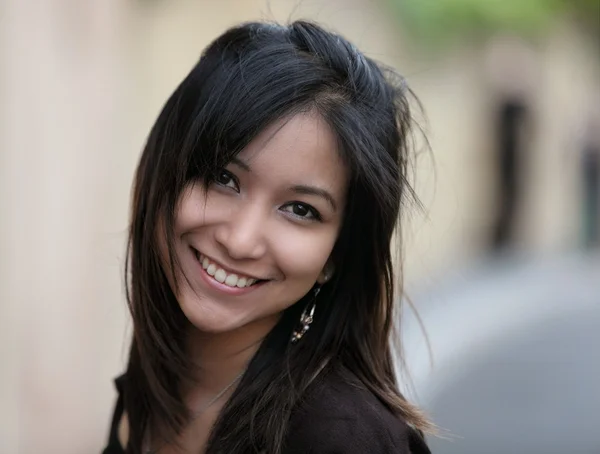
(226, 178)
(299, 209)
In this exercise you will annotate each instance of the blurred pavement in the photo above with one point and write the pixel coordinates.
(516, 366)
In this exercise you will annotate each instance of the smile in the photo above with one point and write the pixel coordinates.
(223, 276)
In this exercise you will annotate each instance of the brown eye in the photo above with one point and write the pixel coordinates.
(224, 178)
(302, 211)
(227, 179)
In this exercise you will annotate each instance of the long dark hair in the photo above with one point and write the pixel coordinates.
(246, 79)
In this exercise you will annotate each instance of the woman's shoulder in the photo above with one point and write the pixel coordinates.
(339, 414)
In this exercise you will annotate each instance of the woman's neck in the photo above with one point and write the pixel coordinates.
(220, 357)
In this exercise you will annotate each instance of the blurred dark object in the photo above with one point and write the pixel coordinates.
(591, 196)
(510, 150)
(511, 70)
(590, 178)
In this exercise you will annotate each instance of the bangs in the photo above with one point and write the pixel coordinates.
(233, 95)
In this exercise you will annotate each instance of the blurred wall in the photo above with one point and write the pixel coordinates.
(81, 84)
(65, 168)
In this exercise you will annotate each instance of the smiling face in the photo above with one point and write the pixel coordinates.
(260, 237)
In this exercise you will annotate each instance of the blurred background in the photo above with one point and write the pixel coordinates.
(502, 265)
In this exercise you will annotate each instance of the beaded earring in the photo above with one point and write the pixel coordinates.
(306, 318)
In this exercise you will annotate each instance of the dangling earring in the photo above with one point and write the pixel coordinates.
(306, 318)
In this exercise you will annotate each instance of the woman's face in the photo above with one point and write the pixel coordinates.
(261, 236)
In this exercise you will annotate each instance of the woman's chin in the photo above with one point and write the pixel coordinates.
(214, 320)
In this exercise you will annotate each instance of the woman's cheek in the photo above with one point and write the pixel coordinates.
(305, 255)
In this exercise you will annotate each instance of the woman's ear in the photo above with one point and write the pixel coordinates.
(326, 272)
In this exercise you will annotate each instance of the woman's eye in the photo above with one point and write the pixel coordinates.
(227, 179)
(302, 210)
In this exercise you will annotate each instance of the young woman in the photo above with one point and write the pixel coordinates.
(260, 276)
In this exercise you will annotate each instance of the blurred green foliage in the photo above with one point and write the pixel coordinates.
(439, 22)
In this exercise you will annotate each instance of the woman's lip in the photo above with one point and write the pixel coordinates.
(213, 283)
(228, 270)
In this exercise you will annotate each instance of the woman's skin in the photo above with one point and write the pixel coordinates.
(273, 215)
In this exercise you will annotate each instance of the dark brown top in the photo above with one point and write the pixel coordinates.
(338, 416)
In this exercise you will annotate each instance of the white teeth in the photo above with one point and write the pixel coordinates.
(241, 282)
(231, 280)
(220, 275)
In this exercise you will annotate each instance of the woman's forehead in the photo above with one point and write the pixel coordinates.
(299, 149)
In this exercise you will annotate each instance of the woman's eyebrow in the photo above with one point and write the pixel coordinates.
(238, 162)
(313, 190)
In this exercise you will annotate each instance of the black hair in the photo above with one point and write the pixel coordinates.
(248, 78)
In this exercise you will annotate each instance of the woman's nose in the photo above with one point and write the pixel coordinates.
(243, 234)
